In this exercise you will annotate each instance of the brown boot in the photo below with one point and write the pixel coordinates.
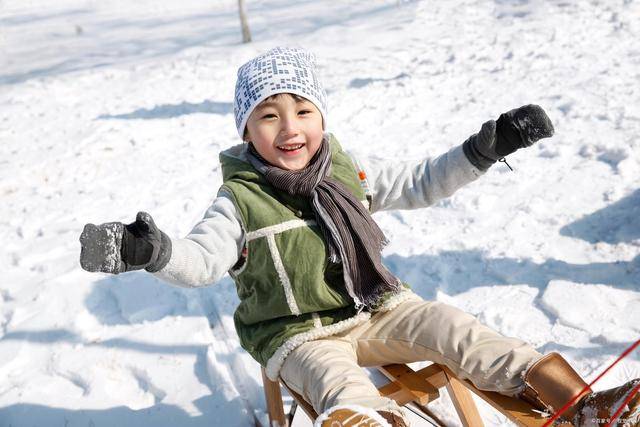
(350, 416)
(598, 408)
(551, 382)
(393, 419)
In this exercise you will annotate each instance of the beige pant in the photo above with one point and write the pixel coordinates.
(327, 372)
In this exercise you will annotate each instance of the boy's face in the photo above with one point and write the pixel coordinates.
(286, 132)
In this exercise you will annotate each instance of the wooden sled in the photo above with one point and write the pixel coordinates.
(417, 388)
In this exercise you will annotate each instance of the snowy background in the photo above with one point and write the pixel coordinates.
(108, 107)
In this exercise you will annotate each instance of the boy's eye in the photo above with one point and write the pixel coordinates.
(304, 112)
(268, 116)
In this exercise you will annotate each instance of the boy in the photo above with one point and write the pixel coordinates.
(292, 225)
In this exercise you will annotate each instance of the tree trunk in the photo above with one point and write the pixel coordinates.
(246, 34)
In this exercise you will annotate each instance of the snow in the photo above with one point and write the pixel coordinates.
(112, 107)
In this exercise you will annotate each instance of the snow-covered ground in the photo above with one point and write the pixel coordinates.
(108, 107)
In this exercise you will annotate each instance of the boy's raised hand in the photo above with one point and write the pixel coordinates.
(114, 247)
(518, 128)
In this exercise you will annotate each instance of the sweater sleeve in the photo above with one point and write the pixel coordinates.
(415, 184)
(211, 248)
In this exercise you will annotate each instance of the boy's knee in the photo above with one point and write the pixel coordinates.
(446, 316)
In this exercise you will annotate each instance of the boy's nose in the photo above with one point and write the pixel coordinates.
(289, 127)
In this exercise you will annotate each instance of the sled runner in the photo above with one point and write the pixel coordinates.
(416, 388)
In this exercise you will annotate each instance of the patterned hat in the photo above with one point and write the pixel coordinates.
(280, 70)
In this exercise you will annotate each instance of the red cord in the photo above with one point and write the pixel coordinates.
(572, 401)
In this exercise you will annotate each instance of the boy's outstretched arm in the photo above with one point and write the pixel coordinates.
(210, 249)
(420, 183)
(201, 258)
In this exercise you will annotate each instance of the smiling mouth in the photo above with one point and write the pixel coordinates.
(291, 147)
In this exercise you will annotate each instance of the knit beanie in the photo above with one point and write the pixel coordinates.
(280, 70)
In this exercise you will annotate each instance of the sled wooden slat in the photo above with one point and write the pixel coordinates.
(273, 397)
(397, 392)
(462, 401)
(414, 386)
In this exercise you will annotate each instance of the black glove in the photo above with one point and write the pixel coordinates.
(114, 247)
(518, 128)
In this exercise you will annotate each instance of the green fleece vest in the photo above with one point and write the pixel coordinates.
(285, 281)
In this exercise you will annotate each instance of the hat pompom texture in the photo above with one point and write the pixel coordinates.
(280, 70)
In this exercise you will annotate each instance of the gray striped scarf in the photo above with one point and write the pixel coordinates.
(351, 234)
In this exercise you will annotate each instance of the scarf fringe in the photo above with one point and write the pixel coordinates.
(372, 301)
